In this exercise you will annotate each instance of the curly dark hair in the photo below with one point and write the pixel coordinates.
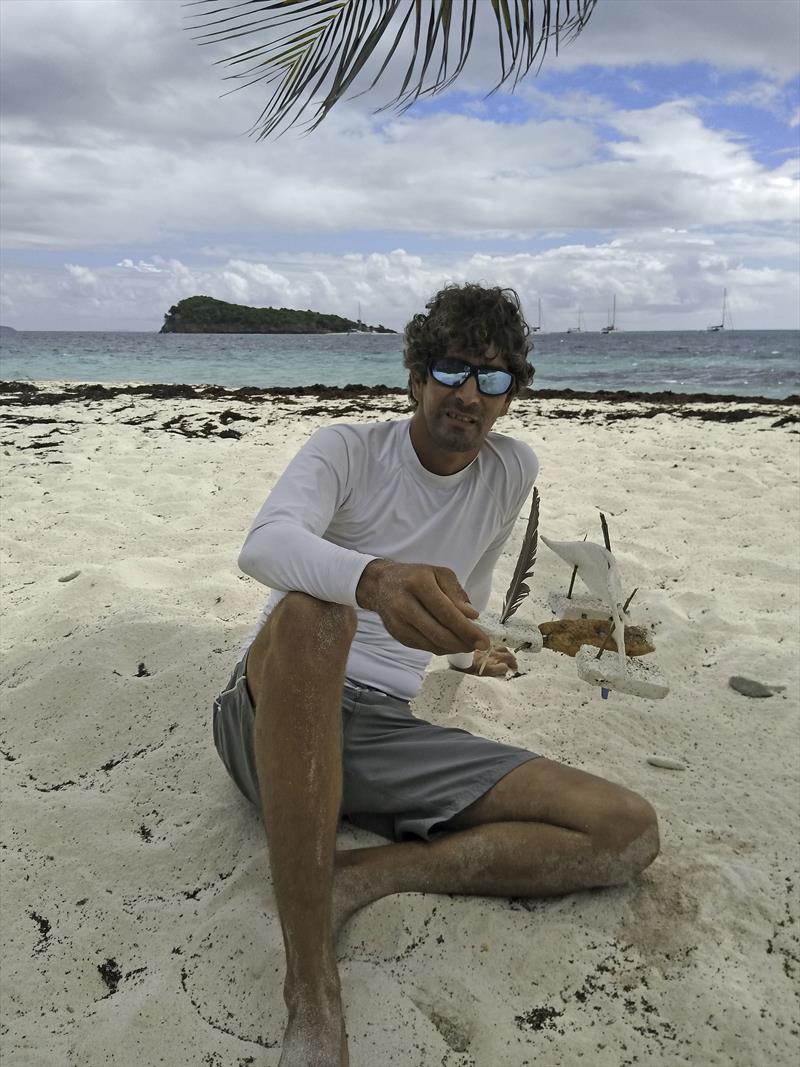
(469, 318)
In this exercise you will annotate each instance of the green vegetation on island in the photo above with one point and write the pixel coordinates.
(204, 314)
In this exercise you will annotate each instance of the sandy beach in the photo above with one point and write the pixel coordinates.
(139, 926)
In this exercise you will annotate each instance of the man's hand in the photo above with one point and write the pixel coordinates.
(495, 663)
(421, 606)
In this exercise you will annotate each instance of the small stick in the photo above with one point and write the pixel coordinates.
(606, 538)
(572, 579)
(606, 639)
(604, 645)
(572, 583)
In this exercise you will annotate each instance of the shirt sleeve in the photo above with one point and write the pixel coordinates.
(478, 585)
(285, 548)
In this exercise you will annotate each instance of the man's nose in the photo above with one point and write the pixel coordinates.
(469, 392)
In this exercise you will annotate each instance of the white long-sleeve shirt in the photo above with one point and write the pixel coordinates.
(355, 493)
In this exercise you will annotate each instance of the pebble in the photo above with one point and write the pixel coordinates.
(663, 761)
(747, 687)
(69, 577)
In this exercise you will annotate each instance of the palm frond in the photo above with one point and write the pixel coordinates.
(518, 590)
(312, 51)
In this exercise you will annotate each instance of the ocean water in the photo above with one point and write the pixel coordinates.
(741, 362)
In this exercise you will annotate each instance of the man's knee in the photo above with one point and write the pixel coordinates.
(302, 635)
(628, 832)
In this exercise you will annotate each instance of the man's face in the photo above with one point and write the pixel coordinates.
(458, 420)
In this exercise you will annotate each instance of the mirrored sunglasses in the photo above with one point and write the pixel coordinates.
(453, 373)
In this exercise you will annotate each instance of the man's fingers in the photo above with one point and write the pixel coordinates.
(413, 638)
(451, 587)
(497, 662)
(505, 654)
(437, 600)
(425, 607)
(440, 643)
(441, 637)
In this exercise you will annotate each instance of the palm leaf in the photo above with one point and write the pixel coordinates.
(517, 591)
(311, 51)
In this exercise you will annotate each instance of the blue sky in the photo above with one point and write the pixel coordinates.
(129, 183)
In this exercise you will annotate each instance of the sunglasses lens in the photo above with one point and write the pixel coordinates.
(454, 372)
(494, 382)
(450, 372)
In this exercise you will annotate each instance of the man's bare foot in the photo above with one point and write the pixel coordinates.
(315, 1034)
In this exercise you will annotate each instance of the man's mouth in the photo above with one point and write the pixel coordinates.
(469, 420)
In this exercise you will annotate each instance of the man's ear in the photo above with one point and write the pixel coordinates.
(416, 382)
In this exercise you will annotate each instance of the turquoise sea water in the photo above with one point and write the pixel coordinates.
(746, 363)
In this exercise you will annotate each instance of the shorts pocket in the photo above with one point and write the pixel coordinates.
(233, 718)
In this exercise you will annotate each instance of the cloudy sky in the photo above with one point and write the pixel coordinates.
(654, 159)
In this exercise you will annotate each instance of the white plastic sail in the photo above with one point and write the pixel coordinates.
(598, 571)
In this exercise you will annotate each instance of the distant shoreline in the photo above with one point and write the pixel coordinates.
(372, 331)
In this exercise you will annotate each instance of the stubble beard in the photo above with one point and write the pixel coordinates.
(457, 437)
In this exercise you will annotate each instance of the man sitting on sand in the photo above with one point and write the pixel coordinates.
(379, 543)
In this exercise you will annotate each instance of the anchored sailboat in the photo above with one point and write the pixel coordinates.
(579, 327)
(537, 328)
(612, 322)
(714, 329)
(360, 327)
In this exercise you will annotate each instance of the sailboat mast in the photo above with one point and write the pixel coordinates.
(716, 329)
(612, 317)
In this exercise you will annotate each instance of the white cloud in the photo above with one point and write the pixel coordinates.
(141, 266)
(81, 276)
(448, 175)
(761, 94)
(729, 34)
(663, 279)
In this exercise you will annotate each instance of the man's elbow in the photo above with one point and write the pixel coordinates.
(247, 561)
(263, 548)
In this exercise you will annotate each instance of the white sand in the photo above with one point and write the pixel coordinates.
(126, 844)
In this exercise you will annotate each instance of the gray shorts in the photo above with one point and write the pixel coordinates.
(402, 777)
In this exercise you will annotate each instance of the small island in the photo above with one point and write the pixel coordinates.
(204, 314)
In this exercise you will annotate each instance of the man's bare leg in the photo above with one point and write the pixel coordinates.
(542, 830)
(295, 673)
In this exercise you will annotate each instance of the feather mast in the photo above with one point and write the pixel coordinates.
(518, 590)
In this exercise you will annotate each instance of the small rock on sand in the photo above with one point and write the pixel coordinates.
(664, 761)
(69, 577)
(747, 687)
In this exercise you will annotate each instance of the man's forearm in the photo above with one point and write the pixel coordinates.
(286, 556)
(367, 594)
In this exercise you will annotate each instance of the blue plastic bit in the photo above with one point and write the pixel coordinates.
(604, 693)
